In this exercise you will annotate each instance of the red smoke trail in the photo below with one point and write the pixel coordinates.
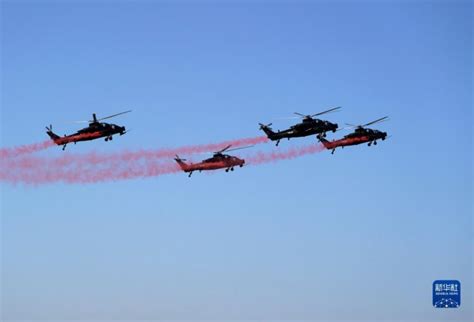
(129, 156)
(277, 155)
(24, 149)
(89, 173)
(29, 172)
(168, 152)
(16, 167)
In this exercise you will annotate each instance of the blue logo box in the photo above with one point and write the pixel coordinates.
(446, 294)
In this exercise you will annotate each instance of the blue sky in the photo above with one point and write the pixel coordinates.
(359, 235)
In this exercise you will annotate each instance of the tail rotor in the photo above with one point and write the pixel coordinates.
(265, 126)
(178, 159)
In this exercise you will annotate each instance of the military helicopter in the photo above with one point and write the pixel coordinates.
(308, 126)
(359, 136)
(218, 161)
(95, 130)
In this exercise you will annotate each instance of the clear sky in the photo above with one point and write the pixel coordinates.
(359, 235)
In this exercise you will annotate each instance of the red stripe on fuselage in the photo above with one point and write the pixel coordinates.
(212, 165)
(78, 137)
(346, 142)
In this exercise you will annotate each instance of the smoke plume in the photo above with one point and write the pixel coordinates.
(36, 171)
(24, 149)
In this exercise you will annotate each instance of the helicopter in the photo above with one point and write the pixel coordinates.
(95, 130)
(218, 161)
(308, 126)
(359, 136)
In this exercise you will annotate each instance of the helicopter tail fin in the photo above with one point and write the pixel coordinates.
(267, 129)
(51, 134)
(183, 165)
(325, 142)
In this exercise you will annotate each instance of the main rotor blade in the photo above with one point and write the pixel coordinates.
(107, 117)
(327, 111)
(224, 149)
(288, 118)
(376, 121)
(351, 125)
(345, 128)
(302, 115)
(244, 147)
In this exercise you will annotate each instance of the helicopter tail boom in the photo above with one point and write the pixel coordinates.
(326, 143)
(322, 139)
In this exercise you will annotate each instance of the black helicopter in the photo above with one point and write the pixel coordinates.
(95, 130)
(308, 126)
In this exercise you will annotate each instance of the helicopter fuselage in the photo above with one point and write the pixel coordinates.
(92, 132)
(222, 161)
(359, 136)
(305, 128)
